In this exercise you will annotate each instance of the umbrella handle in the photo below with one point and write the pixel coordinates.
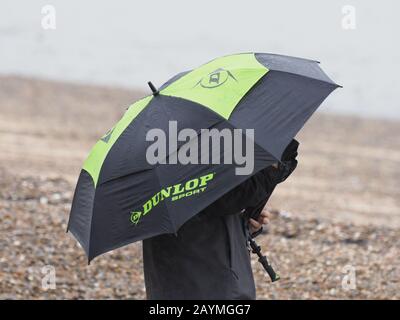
(271, 272)
(263, 260)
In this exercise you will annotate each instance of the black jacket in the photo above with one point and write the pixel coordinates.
(208, 258)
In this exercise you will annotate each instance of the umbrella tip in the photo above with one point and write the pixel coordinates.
(153, 88)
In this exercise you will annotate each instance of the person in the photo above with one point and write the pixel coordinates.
(209, 258)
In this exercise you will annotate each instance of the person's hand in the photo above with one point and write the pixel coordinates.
(263, 219)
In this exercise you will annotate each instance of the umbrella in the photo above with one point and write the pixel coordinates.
(122, 197)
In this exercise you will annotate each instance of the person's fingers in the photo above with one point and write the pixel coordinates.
(264, 217)
(265, 213)
(265, 221)
(255, 224)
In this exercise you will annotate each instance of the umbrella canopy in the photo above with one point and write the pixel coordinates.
(121, 197)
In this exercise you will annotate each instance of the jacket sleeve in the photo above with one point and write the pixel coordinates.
(253, 194)
(249, 194)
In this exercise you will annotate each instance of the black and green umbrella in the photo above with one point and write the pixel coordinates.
(121, 198)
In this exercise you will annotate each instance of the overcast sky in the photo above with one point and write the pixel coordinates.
(127, 43)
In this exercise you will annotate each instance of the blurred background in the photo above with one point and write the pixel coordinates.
(69, 69)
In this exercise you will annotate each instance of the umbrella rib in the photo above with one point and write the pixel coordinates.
(311, 78)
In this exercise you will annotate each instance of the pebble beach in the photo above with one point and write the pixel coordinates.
(336, 218)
